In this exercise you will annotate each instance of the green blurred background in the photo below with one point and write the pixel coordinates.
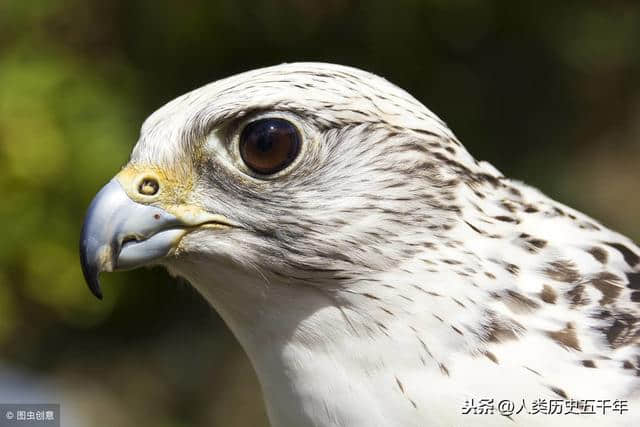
(548, 94)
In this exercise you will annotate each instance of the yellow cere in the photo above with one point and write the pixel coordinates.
(174, 195)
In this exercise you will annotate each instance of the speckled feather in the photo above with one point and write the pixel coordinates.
(386, 276)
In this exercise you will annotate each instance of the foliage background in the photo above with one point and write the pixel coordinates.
(548, 92)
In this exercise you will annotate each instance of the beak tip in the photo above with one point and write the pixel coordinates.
(90, 271)
(94, 287)
(91, 277)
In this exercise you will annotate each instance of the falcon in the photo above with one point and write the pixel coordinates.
(375, 273)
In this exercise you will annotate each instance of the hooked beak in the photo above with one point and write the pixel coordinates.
(120, 234)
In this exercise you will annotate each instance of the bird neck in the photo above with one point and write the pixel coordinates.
(314, 350)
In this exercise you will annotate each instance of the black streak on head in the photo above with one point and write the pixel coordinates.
(500, 330)
(623, 330)
(548, 295)
(566, 337)
(607, 283)
(577, 296)
(629, 256)
(444, 369)
(599, 254)
(634, 280)
(560, 392)
(491, 357)
(562, 271)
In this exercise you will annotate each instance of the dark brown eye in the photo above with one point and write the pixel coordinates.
(269, 145)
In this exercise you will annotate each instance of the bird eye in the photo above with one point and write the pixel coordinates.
(269, 145)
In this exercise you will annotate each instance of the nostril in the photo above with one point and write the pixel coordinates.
(148, 186)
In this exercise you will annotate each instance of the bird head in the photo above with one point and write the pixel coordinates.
(306, 172)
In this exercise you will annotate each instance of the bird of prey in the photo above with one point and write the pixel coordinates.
(375, 273)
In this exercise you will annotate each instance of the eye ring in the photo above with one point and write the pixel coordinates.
(269, 145)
